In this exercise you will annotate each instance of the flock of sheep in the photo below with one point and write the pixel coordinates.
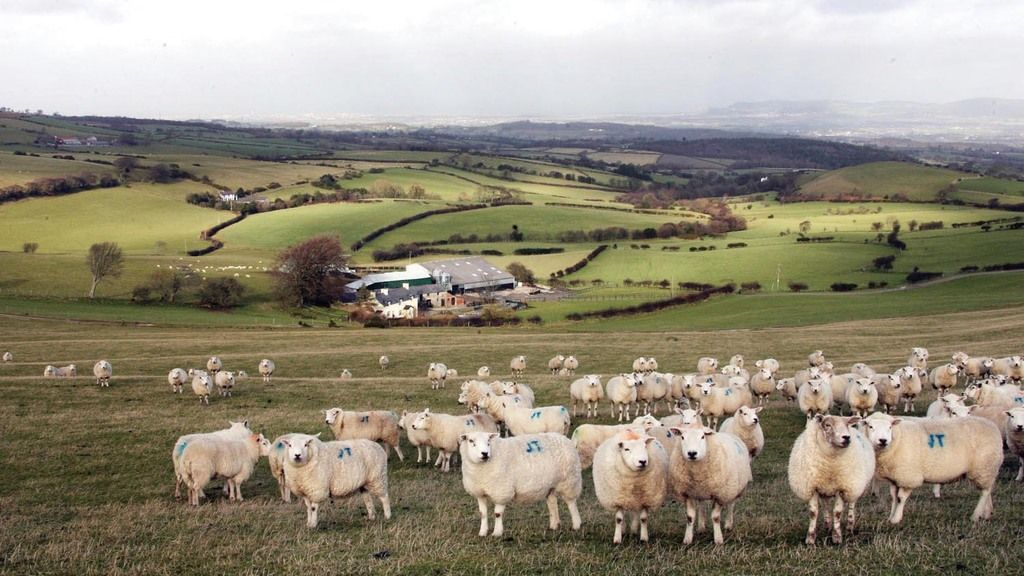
(640, 463)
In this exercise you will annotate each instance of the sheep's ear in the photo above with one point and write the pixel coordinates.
(896, 421)
(462, 438)
(310, 441)
(404, 413)
(819, 418)
(853, 420)
(493, 435)
(426, 411)
(758, 409)
(971, 408)
(675, 431)
(286, 443)
(621, 445)
(700, 411)
(1007, 413)
(317, 435)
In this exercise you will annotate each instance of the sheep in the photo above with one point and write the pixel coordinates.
(1012, 367)
(512, 388)
(8, 357)
(536, 420)
(831, 459)
(708, 466)
(316, 471)
(944, 406)
(418, 438)
(691, 389)
(266, 369)
(683, 417)
(437, 373)
(974, 368)
(483, 372)
(806, 375)
(862, 370)
(910, 384)
(384, 362)
(1013, 431)
(69, 371)
(521, 469)
(202, 386)
(346, 374)
(943, 378)
(707, 366)
(640, 365)
(493, 404)
(912, 452)
(555, 364)
(177, 378)
(102, 371)
(214, 364)
(452, 373)
(225, 382)
(815, 398)
(588, 437)
(960, 359)
(918, 358)
(839, 383)
(276, 458)
(443, 432)
(206, 457)
(736, 360)
(717, 402)
(630, 474)
(621, 391)
(816, 358)
(571, 365)
(653, 388)
(736, 371)
(862, 397)
(762, 384)
(588, 391)
(652, 365)
(518, 366)
(889, 393)
(241, 375)
(675, 387)
(746, 425)
(787, 387)
(376, 425)
(988, 394)
(235, 430)
(471, 392)
(770, 364)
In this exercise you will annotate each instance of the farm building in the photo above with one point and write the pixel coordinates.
(413, 275)
(469, 274)
(396, 303)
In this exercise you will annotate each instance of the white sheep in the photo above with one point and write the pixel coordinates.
(518, 366)
(770, 364)
(588, 438)
(652, 364)
(1014, 434)
(918, 358)
(630, 474)
(437, 372)
(707, 465)
(787, 387)
(831, 459)
(736, 360)
(241, 375)
(862, 370)
(177, 378)
(912, 452)
(762, 384)
(889, 393)
(691, 388)
(278, 454)
(102, 370)
(816, 358)
(944, 406)
(443, 432)
(317, 471)
(943, 378)
(910, 384)
(839, 383)
(513, 388)
(483, 372)
(225, 382)
(587, 391)
(472, 392)
(452, 373)
(683, 417)
(346, 374)
(69, 371)
(8, 357)
(418, 438)
(536, 420)
(376, 425)
(621, 391)
(707, 365)
(1012, 367)
(202, 386)
(384, 362)
(806, 375)
(266, 369)
(988, 394)
(214, 364)
(571, 365)
(236, 430)
(653, 388)
(523, 469)
(493, 404)
(862, 397)
(555, 364)
(640, 365)
(974, 368)
(717, 402)
(814, 398)
(736, 371)
(746, 425)
(207, 457)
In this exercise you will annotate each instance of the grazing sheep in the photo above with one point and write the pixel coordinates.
(518, 366)
(278, 454)
(384, 362)
(653, 388)
(707, 366)
(177, 378)
(8, 357)
(418, 438)
(862, 397)
(207, 457)
(236, 430)
(202, 386)
(214, 364)
(889, 393)
(943, 378)
(717, 402)
(443, 432)
(974, 368)
(225, 382)
(437, 373)
(708, 466)
(316, 471)
(746, 425)
(816, 358)
(1014, 434)
(762, 384)
(630, 473)
(621, 391)
(831, 459)
(815, 398)
(589, 392)
(683, 417)
(523, 469)
(1012, 367)
(69, 371)
(483, 372)
(536, 420)
(513, 388)
(346, 374)
(103, 371)
(266, 369)
(910, 384)
(918, 358)
(555, 364)
(912, 452)
(787, 387)
(452, 373)
(862, 370)
(376, 425)
(571, 365)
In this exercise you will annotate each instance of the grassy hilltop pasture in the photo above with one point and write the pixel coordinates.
(107, 478)
(882, 180)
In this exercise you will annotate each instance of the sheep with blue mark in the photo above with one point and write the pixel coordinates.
(630, 475)
(317, 471)
(443, 430)
(278, 454)
(234, 430)
(203, 459)
(375, 425)
(536, 420)
(717, 402)
(513, 388)
(523, 469)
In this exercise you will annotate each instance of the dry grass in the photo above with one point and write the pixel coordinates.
(85, 477)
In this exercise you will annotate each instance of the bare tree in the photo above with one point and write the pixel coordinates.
(304, 271)
(104, 260)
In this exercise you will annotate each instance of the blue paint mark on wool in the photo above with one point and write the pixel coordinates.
(343, 452)
(536, 414)
(533, 446)
(181, 448)
(934, 439)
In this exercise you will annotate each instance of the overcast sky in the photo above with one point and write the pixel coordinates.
(538, 58)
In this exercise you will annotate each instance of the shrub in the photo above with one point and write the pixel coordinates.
(884, 262)
(221, 293)
(30, 247)
(749, 287)
(966, 269)
(921, 276)
(736, 245)
(874, 284)
(843, 287)
(535, 319)
(797, 286)
(141, 295)
(535, 251)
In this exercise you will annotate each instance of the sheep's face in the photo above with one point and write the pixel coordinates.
(463, 397)
(1015, 423)
(509, 388)
(647, 422)
(706, 387)
(633, 451)
(265, 445)
(836, 429)
(300, 449)
(765, 374)
(952, 369)
(960, 358)
(478, 446)
(813, 372)
(689, 416)
(483, 371)
(422, 421)
(593, 380)
(827, 368)
(958, 410)
(49, 371)
(891, 380)
(988, 362)
(781, 384)
(331, 416)
(203, 380)
(693, 442)
(920, 353)
(214, 363)
(748, 416)
(737, 360)
(879, 431)
(814, 386)
(864, 386)
(403, 421)
(972, 392)
(1015, 362)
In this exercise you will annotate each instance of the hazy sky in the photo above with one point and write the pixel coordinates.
(541, 58)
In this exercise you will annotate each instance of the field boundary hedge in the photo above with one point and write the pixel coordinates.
(655, 305)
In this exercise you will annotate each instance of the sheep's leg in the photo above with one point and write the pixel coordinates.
(837, 520)
(701, 518)
(499, 527)
(482, 504)
(574, 404)
(1020, 471)
(983, 511)
(440, 459)
(177, 487)
(311, 513)
(427, 459)
(902, 495)
(368, 502)
(401, 457)
(851, 516)
(574, 513)
(892, 500)
(644, 537)
(716, 522)
(237, 485)
(634, 522)
(730, 515)
(691, 513)
(937, 490)
(812, 506)
(385, 503)
(619, 519)
(553, 520)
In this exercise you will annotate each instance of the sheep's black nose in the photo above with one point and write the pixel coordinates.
(883, 442)
(642, 463)
(485, 456)
(692, 455)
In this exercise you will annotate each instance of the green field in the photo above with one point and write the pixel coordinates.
(882, 180)
(16, 169)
